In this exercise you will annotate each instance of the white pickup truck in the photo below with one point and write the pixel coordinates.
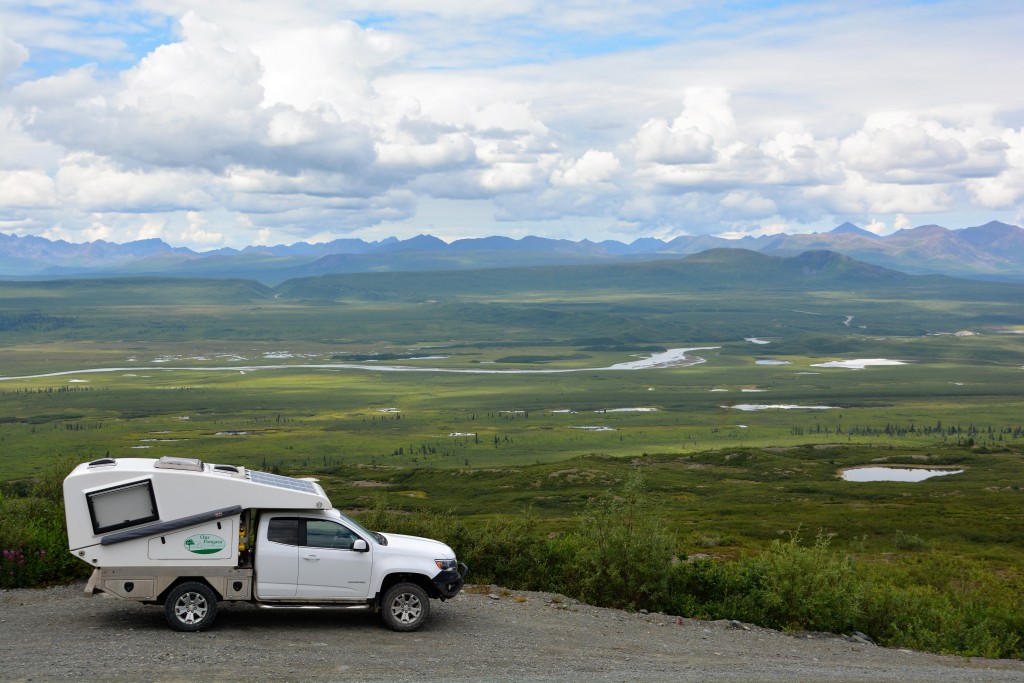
(189, 534)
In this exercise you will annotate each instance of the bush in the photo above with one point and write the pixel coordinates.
(33, 536)
(792, 586)
(621, 555)
(511, 552)
(943, 603)
(789, 586)
(910, 542)
(702, 588)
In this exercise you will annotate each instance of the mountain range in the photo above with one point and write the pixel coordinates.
(991, 251)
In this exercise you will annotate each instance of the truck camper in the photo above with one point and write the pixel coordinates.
(189, 535)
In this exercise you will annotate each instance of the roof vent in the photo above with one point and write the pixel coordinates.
(171, 463)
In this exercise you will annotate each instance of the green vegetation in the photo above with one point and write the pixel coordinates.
(33, 536)
(507, 465)
(621, 552)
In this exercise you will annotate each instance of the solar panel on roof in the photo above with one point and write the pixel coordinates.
(280, 481)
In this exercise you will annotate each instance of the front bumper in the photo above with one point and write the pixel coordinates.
(450, 581)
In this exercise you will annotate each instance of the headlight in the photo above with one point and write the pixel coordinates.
(445, 564)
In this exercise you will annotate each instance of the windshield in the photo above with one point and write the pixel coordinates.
(363, 531)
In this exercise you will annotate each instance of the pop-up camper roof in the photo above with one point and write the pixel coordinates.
(110, 501)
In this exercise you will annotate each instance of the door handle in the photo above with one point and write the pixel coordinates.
(311, 557)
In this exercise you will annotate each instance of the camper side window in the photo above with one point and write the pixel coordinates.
(283, 530)
(122, 506)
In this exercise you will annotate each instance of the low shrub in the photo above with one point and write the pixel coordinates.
(33, 538)
(621, 554)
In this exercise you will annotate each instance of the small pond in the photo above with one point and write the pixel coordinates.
(906, 474)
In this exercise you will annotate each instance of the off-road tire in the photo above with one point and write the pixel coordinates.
(191, 606)
(404, 607)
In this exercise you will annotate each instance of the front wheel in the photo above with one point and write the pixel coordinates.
(405, 607)
(191, 606)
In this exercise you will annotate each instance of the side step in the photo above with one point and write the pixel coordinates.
(361, 606)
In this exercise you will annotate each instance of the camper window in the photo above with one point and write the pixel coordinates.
(122, 506)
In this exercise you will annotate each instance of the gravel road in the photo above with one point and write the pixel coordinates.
(58, 634)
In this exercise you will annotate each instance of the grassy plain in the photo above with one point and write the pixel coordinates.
(498, 443)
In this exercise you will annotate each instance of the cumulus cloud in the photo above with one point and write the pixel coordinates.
(197, 234)
(748, 204)
(905, 149)
(152, 228)
(266, 122)
(1004, 190)
(98, 230)
(445, 151)
(26, 188)
(94, 183)
(12, 56)
(592, 168)
(197, 102)
(705, 124)
(311, 67)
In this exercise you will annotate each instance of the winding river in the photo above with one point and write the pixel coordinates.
(672, 358)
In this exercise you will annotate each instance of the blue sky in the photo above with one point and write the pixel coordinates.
(234, 123)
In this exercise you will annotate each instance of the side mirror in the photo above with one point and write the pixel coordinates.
(360, 546)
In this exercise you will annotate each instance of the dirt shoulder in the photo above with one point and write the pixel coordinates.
(58, 634)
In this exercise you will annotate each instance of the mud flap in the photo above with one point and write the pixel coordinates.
(94, 581)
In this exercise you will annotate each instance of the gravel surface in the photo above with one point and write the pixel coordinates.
(58, 634)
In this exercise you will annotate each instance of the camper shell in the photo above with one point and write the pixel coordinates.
(190, 534)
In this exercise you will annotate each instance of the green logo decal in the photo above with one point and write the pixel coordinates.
(205, 544)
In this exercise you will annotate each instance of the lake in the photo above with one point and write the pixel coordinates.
(904, 474)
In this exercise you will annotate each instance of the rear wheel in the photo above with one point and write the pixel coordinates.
(191, 606)
(405, 607)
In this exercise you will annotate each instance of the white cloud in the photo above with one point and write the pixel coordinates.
(26, 188)
(206, 72)
(510, 117)
(905, 149)
(748, 204)
(508, 177)
(878, 227)
(1004, 190)
(592, 168)
(152, 228)
(445, 151)
(197, 234)
(315, 66)
(93, 183)
(55, 233)
(73, 84)
(308, 118)
(12, 56)
(704, 126)
(97, 230)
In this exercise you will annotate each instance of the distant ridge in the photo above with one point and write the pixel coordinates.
(851, 229)
(994, 250)
(715, 270)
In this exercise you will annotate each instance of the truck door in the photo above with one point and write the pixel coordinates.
(277, 558)
(329, 568)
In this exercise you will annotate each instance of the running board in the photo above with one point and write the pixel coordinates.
(263, 605)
